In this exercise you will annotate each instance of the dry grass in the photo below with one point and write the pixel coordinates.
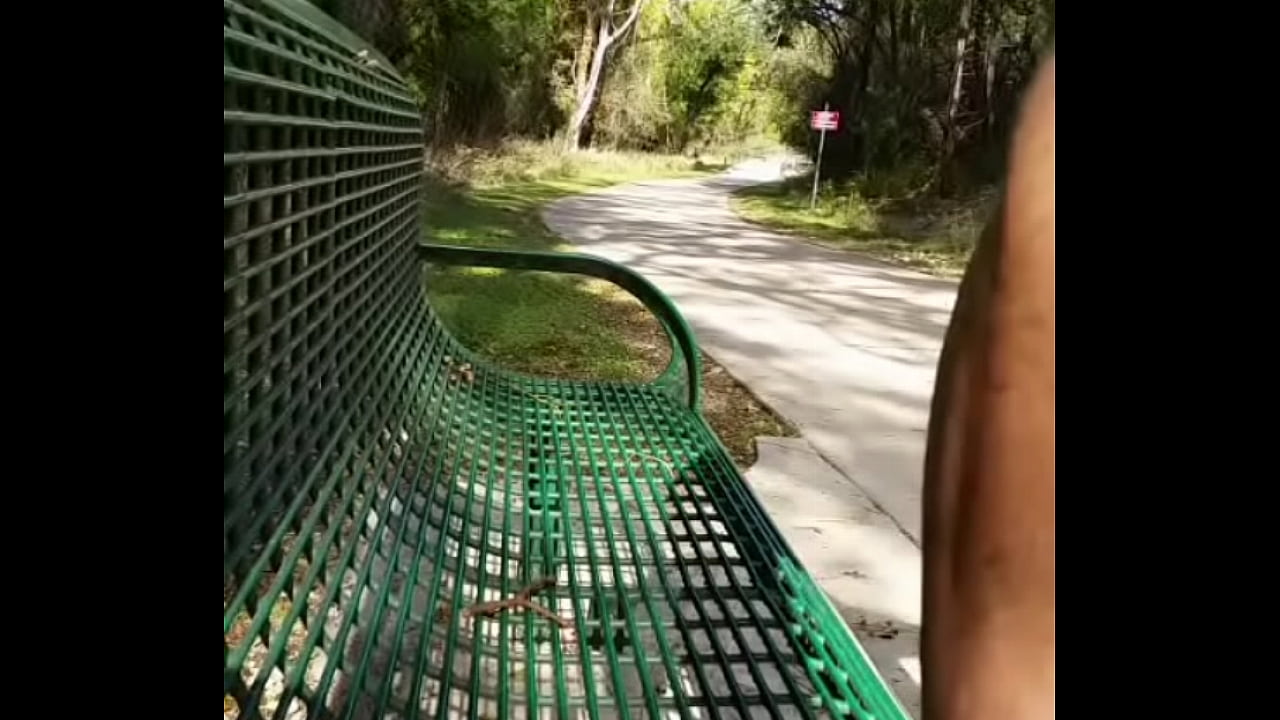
(526, 161)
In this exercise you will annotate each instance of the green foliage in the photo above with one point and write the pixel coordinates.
(479, 66)
(695, 75)
(928, 89)
(930, 84)
(708, 46)
(797, 74)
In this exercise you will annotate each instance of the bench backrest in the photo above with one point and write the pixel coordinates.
(323, 318)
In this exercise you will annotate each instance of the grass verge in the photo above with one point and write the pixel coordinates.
(557, 325)
(935, 236)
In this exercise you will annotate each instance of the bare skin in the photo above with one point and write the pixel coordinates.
(988, 644)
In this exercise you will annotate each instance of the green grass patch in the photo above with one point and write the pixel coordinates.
(934, 237)
(542, 323)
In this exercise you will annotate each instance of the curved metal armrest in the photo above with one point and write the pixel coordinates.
(660, 305)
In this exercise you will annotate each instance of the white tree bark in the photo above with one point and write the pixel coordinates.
(589, 93)
(953, 103)
(951, 131)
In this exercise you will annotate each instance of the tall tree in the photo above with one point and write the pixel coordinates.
(607, 33)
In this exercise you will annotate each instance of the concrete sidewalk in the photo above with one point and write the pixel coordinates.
(864, 563)
(844, 347)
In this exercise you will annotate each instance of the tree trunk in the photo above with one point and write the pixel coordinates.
(582, 61)
(856, 113)
(440, 126)
(953, 102)
(950, 129)
(991, 55)
(893, 39)
(589, 94)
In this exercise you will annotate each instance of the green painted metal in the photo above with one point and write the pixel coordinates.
(380, 480)
(681, 378)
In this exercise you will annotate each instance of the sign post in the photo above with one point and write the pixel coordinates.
(823, 120)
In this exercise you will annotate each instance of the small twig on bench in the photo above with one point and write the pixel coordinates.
(665, 465)
(522, 600)
(530, 605)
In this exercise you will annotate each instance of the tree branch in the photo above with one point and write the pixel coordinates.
(607, 19)
(635, 13)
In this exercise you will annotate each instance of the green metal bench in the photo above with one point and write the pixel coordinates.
(409, 531)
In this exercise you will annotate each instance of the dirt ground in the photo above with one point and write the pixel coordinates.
(736, 415)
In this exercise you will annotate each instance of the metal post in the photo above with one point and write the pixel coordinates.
(822, 142)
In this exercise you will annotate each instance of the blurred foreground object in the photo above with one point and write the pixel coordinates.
(989, 514)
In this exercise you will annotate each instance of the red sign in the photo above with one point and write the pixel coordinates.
(824, 119)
